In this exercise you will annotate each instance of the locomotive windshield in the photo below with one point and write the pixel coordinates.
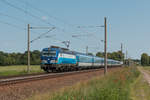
(49, 53)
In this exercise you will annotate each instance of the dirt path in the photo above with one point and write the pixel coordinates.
(146, 74)
(140, 89)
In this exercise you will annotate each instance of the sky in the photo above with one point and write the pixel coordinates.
(127, 20)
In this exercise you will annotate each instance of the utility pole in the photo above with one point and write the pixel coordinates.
(87, 50)
(121, 52)
(127, 61)
(126, 54)
(28, 45)
(105, 46)
(28, 42)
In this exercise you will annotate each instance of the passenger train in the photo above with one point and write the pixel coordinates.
(61, 59)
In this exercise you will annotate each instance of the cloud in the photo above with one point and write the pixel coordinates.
(44, 18)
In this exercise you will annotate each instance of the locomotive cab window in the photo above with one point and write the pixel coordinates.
(49, 53)
(52, 53)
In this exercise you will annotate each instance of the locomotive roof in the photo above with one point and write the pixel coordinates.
(68, 51)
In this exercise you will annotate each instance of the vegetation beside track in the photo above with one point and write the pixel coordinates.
(140, 89)
(146, 68)
(18, 70)
(113, 86)
(7, 59)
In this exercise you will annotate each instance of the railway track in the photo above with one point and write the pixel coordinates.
(21, 79)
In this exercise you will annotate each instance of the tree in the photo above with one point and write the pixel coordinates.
(149, 60)
(100, 54)
(19, 58)
(1, 60)
(144, 59)
(35, 57)
(90, 54)
(114, 55)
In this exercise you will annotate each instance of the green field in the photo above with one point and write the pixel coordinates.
(113, 86)
(19, 70)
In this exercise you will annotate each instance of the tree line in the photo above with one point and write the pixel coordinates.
(114, 55)
(19, 58)
(145, 59)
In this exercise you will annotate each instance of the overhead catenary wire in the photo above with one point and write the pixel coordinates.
(76, 35)
(49, 15)
(20, 28)
(15, 18)
(24, 11)
(39, 10)
(12, 25)
(80, 35)
(45, 12)
(41, 35)
(30, 14)
(88, 33)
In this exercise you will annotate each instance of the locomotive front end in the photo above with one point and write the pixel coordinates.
(48, 59)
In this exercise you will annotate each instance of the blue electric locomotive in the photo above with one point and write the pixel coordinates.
(62, 59)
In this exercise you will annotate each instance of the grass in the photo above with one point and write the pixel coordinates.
(146, 68)
(113, 86)
(18, 70)
(140, 89)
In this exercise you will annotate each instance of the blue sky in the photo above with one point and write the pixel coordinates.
(128, 23)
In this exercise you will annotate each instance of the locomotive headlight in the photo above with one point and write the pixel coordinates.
(44, 61)
(52, 61)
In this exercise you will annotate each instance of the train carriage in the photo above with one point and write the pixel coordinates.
(62, 59)
(98, 61)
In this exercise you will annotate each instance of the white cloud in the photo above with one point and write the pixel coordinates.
(44, 18)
